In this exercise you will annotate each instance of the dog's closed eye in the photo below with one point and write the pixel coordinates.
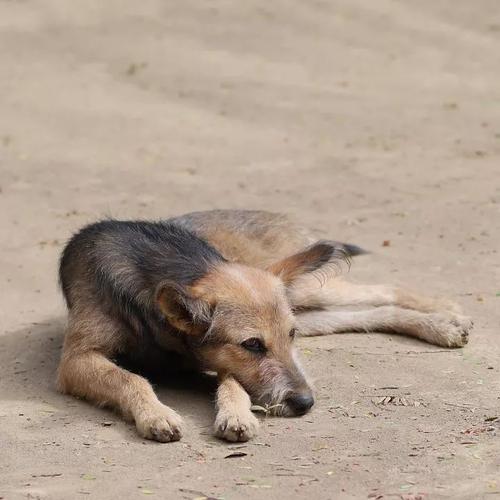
(292, 333)
(254, 344)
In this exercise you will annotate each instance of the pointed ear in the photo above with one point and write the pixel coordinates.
(309, 260)
(182, 310)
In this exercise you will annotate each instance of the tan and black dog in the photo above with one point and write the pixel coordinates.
(227, 291)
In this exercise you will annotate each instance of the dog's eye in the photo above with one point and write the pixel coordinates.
(292, 333)
(254, 344)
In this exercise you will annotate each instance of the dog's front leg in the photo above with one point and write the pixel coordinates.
(93, 376)
(235, 421)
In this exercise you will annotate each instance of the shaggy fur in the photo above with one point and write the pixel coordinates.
(220, 291)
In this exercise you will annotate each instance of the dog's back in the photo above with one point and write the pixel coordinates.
(125, 258)
(116, 266)
(253, 237)
(250, 237)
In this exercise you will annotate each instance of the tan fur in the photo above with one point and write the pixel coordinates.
(291, 268)
(251, 237)
(86, 371)
(234, 421)
(308, 292)
(269, 275)
(444, 328)
(253, 304)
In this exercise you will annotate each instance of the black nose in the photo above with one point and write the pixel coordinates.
(300, 403)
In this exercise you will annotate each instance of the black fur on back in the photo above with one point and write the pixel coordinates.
(118, 266)
(121, 263)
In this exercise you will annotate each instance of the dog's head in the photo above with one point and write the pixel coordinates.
(238, 321)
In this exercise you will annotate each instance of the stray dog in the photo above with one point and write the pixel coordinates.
(225, 291)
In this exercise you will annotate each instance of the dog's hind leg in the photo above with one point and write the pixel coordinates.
(443, 329)
(234, 421)
(310, 291)
(86, 371)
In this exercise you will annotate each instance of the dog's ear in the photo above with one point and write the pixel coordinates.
(182, 310)
(317, 256)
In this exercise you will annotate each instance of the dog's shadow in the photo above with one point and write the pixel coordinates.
(28, 365)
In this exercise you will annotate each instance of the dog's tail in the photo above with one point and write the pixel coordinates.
(351, 250)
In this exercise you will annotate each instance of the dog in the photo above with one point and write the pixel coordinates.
(223, 291)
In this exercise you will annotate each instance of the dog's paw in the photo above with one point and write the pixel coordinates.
(450, 330)
(236, 427)
(159, 423)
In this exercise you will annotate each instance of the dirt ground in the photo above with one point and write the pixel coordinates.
(376, 121)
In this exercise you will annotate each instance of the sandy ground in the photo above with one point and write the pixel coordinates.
(372, 120)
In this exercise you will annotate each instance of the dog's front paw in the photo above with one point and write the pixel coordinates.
(159, 423)
(236, 427)
(450, 330)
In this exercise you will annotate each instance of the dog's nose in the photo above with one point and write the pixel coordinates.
(300, 403)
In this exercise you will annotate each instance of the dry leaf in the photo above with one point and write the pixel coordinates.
(236, 454)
